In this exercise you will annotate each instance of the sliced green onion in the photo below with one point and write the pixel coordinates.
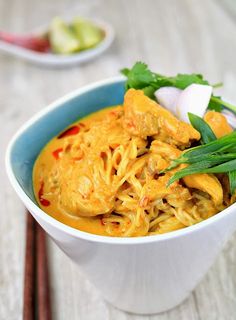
(232, 181)
(207, 135)
(222, 168)
(217, 85)
(223, 103)
(204, 167)
(220, 158)
(213, 158)
(222, 144)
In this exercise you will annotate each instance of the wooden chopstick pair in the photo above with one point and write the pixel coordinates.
(36, 279)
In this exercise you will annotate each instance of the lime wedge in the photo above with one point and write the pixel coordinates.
(88, 34)
(62, 38)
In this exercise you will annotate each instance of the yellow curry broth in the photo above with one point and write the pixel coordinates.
(44, 165)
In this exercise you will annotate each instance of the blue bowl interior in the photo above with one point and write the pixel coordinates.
(29, 144)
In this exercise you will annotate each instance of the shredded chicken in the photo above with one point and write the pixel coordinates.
(144, 117)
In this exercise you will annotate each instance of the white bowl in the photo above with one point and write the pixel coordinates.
(142, 275)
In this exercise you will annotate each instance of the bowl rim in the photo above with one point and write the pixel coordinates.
(76, 232)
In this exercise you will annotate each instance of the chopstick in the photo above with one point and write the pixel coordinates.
(29, 277)
(36, 279)
(43, 290)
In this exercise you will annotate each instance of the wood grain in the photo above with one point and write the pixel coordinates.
(172, 36)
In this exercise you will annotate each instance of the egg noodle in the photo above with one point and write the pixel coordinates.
(104, 174)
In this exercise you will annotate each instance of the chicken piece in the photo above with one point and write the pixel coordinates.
(207, 183)
(106, 132)
(165, 150)
(157, 189)
(85, 180)
(144, 117)
(156, 163)
(161, 155)
(83, 191)
(218, 123)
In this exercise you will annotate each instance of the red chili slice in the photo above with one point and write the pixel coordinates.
(103, 155)
(56, 152)
(114, 146)
(44, 202)
(113, 113)
(35, 43)
(69, 132)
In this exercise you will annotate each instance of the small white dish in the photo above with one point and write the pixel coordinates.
(59, 60)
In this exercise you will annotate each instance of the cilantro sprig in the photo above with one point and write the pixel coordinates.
(141, 77)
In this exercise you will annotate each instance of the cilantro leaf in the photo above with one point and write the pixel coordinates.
(149, 91)
(182, 81)
(139, 76)
(125, 71)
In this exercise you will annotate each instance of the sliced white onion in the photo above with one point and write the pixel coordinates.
(195, 98)
(231, 118)
(167, 97)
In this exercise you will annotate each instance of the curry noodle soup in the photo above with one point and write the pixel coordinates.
(104, 174)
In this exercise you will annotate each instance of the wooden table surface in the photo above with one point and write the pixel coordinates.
(171, 36)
